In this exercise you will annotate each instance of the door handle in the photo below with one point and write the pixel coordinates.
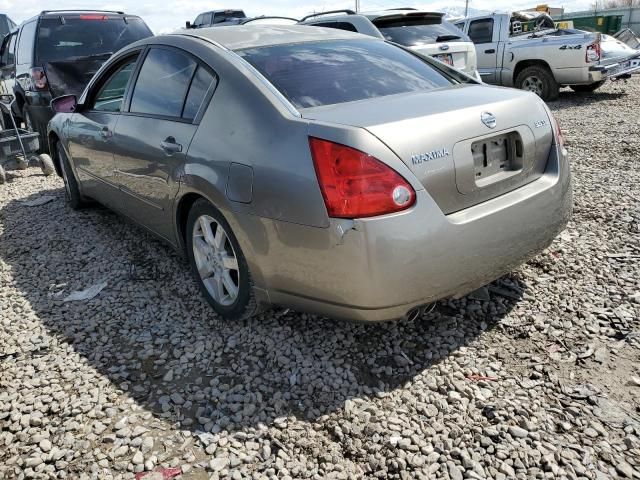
(106, 133)
(491, 50)
(170, 146)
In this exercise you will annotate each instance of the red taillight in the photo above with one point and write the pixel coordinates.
(355, 184)
(38, 78)
(557, 130)
(593, 53)
(93, 17)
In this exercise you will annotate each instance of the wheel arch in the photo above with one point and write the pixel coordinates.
(522, 64)
(194, 188)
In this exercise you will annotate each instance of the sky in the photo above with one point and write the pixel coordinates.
(168, 15)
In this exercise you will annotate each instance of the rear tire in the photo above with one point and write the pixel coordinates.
(539, 80)
(218, 264)
(74, 197)
(31, 126)
(588, 88)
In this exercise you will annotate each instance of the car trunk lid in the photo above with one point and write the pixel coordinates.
(460, 55)
(445, 138)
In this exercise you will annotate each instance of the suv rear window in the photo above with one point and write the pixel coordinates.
(339, 71)
(87, 35)
(411, 32)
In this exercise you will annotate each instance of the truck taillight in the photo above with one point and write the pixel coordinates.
(38, 79)
(593, 53)
(355, 184)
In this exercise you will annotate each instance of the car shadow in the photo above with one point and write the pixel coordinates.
(577, 98)
(154, 337)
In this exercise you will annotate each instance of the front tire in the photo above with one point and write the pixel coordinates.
(74, 197)
(588, 88)
(218, 264)
(539, 80)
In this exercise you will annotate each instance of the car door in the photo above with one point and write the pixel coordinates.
(484, 34)
(91, 131)
(7, 64)
(153, 137)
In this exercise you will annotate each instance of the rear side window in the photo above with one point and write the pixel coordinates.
(162, 84)
(87, 35)
(349, 27)
(25, 43)
(203, 81)
(227, 15)
(338, 71)
(481, 31)
(419, 31)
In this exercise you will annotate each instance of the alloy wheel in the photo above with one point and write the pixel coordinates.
(216, 260)
(533, 84)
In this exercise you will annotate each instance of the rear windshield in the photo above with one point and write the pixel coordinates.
(420, 31)
(90, 35)
(339, 71)
(220, 17)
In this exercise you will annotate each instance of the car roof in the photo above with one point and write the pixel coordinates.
(251, 36)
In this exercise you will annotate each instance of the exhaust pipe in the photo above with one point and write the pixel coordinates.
(414, 314)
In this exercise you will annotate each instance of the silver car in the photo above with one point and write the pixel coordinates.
(316, 169)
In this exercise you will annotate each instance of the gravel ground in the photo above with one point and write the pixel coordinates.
(536, 376)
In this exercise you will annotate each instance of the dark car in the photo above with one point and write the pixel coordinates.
(6, 25)
(56, 53)
(217, 18)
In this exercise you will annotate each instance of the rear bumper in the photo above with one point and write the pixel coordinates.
(379, 269)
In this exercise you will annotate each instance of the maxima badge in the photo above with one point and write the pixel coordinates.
(489, 120)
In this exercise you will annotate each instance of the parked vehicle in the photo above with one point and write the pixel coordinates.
(539, 58)
(6, 25)
(292, 166)
(217, 18)
(425, 32)
(631, 40)
(56, 53)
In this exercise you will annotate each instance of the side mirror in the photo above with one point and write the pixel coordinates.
(188, 24)
(64, 104)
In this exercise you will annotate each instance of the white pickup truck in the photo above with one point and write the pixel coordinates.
(525, 50)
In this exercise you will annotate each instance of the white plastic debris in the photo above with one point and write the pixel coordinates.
(87, 294)
(36, 202)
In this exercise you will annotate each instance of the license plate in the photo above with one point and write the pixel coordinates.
(496, 155)
(445, 58)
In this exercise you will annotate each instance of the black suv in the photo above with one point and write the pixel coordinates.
(56, 53)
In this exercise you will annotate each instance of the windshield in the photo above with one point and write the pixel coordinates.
(411, 32)
(339, 71)
(88, 35)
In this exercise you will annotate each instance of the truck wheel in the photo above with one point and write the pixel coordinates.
(539, 80)
(588, 88)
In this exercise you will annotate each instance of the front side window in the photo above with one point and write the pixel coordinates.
(313, 74)
(162, 84)
(26, 42)
(111, 95)
(481, 31)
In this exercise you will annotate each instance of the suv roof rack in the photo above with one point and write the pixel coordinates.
(401, 8)
(267, 17)
(347, 11)
(72, 10)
